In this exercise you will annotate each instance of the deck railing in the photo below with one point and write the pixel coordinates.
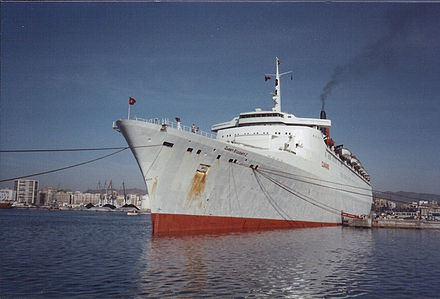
(178, 126)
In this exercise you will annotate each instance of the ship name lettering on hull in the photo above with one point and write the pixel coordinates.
(235, 151)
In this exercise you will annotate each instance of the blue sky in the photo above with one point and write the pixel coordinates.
(67, 70)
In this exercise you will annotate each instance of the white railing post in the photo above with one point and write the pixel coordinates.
(162, 121)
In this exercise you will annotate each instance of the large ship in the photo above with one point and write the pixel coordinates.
(260, 170)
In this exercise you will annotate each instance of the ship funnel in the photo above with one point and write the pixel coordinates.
(326, 131)
(323, 116)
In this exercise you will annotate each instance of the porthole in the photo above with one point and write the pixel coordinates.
(169, 144)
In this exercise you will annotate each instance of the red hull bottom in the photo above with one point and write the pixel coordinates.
(175, 223)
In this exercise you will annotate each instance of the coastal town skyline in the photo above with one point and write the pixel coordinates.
(69, 69)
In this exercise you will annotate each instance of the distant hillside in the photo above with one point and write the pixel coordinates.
(127, 191)
(406, 196)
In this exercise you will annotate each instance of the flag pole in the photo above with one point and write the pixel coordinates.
(129, 107)
(129, 110)
(131, 101)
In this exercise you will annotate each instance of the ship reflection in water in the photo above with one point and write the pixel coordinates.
(112, 255)
(316, 262)
(303, 262)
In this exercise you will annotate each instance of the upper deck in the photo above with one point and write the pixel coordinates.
(275, 130)
(266, 118)
(274, 117)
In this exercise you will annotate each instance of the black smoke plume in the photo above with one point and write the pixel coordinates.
(381, 53)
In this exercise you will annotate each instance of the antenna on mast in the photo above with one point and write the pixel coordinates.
(276, 97)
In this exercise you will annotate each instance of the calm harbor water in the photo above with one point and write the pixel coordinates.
(62, 254)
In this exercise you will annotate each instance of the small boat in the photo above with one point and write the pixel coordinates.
(6, 205)
(132, 213)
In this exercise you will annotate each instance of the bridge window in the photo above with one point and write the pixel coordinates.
(262, 115)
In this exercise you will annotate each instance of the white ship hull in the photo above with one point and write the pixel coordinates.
(221, 185)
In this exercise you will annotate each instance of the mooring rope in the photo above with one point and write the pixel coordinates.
(120, 149)
(301, 196)
(272, 202)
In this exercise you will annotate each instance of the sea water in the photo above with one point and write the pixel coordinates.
(67, 254)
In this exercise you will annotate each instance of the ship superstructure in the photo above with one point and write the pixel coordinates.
(262, 169)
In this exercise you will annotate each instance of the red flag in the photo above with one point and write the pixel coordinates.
(131, 101)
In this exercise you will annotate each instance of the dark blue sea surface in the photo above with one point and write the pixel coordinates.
(65, 254)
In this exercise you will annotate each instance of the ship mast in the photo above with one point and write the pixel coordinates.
(276, 97)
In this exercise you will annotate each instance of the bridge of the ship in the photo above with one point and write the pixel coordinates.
(270, 118)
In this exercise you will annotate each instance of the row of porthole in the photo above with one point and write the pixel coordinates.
(190, 149)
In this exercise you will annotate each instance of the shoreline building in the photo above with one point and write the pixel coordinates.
(47, 195)
(7, 195)
(26, 191)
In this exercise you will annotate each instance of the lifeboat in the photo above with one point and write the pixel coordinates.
(355, 162)
(345, 154)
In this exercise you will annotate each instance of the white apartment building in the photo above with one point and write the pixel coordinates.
(26, 191)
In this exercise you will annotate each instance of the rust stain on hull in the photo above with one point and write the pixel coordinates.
(153, 189)
(197, 187)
